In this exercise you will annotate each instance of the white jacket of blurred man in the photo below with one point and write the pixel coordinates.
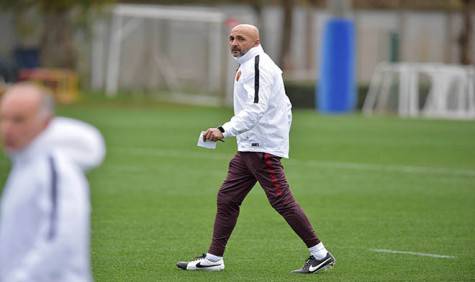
(45, 209)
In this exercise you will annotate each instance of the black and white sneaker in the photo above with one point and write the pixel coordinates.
(313, 265)
(201, 263)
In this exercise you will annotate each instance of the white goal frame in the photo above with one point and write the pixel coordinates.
(451, 90)
(126, 18)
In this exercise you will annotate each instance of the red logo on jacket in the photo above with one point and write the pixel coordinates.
(238, 75)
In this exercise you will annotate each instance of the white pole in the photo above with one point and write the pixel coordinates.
(114, 56)
(462, 92)
(414, 94)
(214, 56)
(471, 92)
(374, 87)
(385, 89)
(403, 88)
(97, 58)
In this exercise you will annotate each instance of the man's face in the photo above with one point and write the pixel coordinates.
(240, 41)
(20, 121)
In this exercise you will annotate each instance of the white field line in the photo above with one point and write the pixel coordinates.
(213, 155)
(392, 168)
(411, 253)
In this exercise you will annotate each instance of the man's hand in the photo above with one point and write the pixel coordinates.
(213, 134)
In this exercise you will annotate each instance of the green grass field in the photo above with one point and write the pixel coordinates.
(365, 183)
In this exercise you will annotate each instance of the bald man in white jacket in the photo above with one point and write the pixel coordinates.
(261, 125)
(45, 208)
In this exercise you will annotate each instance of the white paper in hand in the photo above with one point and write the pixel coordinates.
(205, 144)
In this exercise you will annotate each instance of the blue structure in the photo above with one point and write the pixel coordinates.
(336, 88)
(27, 58)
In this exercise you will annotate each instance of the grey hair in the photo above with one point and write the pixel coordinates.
(47, 104)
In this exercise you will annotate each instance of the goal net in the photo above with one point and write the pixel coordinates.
(417, 89)
(174, 53)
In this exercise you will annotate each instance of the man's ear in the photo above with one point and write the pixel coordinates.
(47, 121)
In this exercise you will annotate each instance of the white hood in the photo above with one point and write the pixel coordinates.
(78, 141)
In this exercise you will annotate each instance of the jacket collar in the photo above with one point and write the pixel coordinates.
(251, 53)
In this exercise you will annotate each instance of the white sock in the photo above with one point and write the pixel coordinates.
(212, 257)
(318, 251)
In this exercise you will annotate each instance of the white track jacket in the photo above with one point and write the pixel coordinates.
(262, 110)
(45, 209)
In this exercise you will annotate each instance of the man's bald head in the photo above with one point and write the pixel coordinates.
(25, 111)
(242, 38)
(250, 30)
(31, 94)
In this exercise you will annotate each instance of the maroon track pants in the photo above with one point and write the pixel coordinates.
(245, 169)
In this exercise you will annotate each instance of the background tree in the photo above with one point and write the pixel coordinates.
(59, 20)
(286, 39)
(466, 34)
(258, 6)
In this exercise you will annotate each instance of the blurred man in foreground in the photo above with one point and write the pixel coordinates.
(45, 209)
(261, 125)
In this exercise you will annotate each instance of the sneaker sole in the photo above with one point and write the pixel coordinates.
(325, 268)
(208, 269)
